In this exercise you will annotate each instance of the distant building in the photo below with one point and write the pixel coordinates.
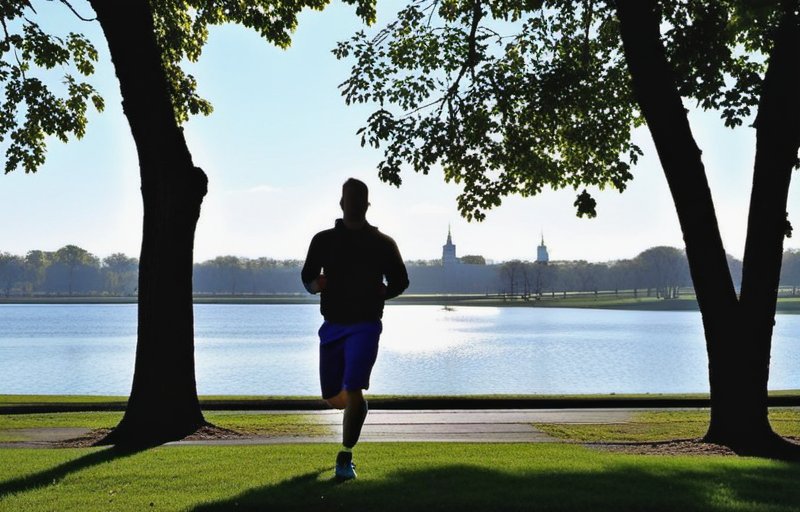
(449, 251)
(541, 253)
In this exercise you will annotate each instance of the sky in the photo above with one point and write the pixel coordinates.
(280, 143)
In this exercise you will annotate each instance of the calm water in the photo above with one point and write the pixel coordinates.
(89, 349)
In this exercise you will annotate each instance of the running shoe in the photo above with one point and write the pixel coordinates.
(345, 469)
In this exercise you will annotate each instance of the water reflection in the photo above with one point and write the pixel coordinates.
(247, 349)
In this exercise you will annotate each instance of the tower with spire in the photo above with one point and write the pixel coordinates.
(541, 253)
(449, 251)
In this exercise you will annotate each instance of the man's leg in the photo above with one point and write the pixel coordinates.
(355, 412)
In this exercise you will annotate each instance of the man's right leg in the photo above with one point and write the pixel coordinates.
(355, 412)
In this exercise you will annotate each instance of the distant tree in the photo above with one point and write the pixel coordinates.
(513, 277)
(228, 273)
(790, 269)
(148, 42)
(36, 265)
(121, 273)
(665, 269)
(12, 271)
(424, 263)
(290, 263)
(588, 275)
(555, 105)
(625, 275)
(541, 276)
(260, 270)
(471, 259)
(74, 261)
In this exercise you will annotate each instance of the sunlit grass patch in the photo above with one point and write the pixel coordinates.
(12, 426)
(785, 421)
(650, 426)
(269, 424)
(90, 420)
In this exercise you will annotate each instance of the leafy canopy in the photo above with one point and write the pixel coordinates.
(31, 109)
(510, 96)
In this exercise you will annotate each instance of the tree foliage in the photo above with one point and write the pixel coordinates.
(33, 107)
(506, 100)
(512, 96)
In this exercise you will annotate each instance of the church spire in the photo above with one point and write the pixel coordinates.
(541, 252)
(449, 250)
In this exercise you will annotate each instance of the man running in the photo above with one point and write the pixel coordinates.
(347, 265)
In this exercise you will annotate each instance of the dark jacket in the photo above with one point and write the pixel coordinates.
(355, 263)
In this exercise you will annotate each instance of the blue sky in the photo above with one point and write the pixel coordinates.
(280, 143)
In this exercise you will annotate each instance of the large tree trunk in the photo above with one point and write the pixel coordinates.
(777, 142)
(737, 333)
(163, 404)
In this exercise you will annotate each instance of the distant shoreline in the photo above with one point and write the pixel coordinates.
(587, 301)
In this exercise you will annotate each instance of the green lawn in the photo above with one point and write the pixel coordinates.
(11, 425)
(392, 476)
(648, 426)
(395, 476)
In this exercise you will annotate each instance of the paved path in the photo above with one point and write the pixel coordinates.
(477, 426)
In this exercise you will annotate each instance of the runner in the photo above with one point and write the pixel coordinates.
(347, 265)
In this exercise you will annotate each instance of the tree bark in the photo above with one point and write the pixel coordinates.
(163, 404)
(737, 332)
(777, 142)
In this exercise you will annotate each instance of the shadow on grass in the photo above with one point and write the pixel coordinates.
(467, 488)
(56, 474)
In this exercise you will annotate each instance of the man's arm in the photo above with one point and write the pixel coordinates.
(396, 273)
(311, 275)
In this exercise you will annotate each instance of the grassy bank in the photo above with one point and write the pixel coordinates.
(605, 300)
(20, 404)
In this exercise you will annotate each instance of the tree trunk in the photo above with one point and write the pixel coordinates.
(163, 404)
(733, 337)
(777, 142)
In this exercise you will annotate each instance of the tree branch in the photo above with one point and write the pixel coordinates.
(69, 5)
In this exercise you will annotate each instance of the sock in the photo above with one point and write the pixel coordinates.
(346, 449)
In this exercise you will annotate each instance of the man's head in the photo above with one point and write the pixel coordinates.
(355, 200)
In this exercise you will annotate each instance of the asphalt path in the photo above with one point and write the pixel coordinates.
(464, 426)
(428, 425)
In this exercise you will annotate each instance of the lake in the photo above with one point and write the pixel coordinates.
(272, 350)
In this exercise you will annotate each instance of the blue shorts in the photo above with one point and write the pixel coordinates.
(347, 353)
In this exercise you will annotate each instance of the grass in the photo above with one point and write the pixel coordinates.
(392, 477)
(12, 425)
(647, 426)
(268, 424)
(395, 476)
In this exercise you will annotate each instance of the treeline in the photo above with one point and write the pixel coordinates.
(70, 270)
(659, 271)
